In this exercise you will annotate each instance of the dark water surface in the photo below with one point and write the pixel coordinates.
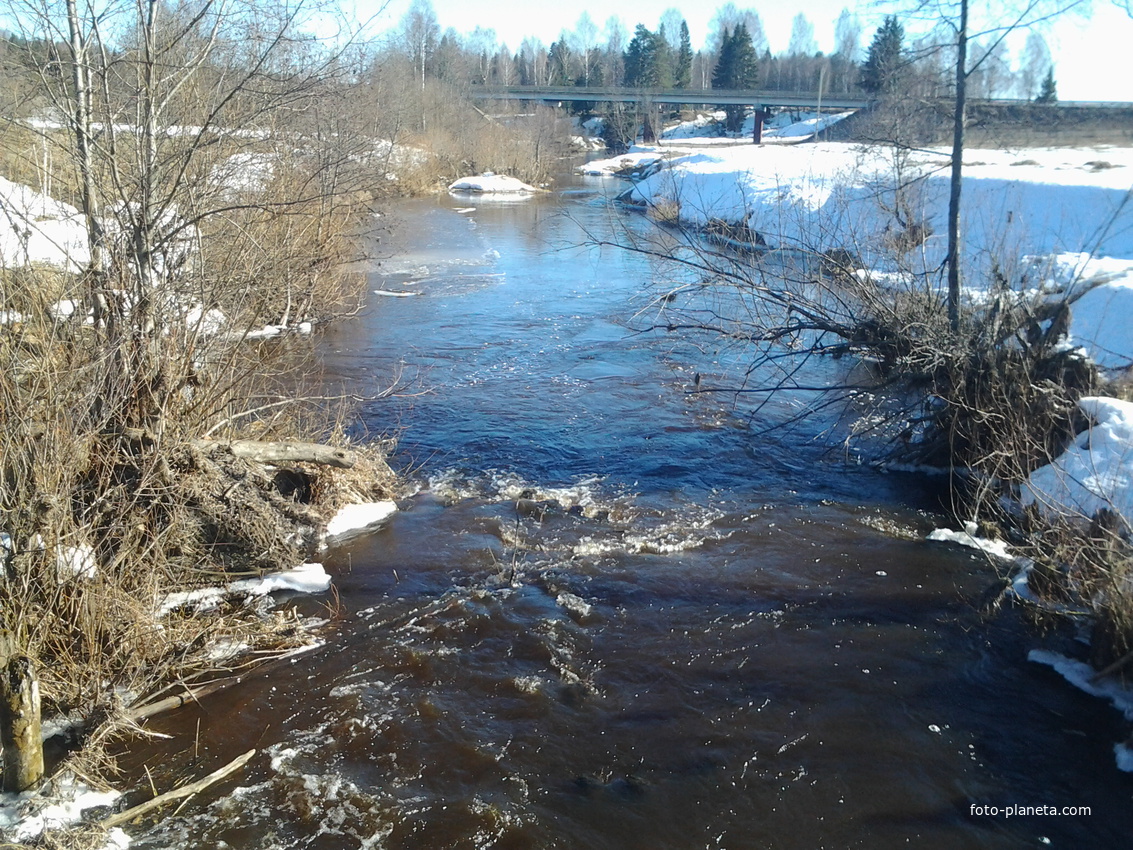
(612, 614)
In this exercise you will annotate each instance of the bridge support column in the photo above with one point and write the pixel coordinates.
(761, 115)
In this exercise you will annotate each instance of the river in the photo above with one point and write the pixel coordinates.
(616, 614)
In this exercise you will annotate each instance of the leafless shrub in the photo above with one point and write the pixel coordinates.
(227, 203)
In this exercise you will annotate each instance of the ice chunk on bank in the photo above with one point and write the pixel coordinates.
(357, 519)
(492, 184)
(1096, 472)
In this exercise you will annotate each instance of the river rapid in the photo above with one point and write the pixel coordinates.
(613, 613)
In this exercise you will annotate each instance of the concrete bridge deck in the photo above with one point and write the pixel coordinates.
(723, 97)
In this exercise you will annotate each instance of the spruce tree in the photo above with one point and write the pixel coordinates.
(1049, 91)
(883, 69)
(683, 71)
(648, 60)
(737, 68)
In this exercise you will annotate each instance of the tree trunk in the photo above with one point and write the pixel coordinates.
(82, 129)
(959, 119)
(20, 724)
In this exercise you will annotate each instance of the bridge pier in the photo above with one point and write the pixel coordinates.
(761, 114)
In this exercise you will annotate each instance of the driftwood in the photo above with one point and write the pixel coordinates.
(20, 724)
(195, 692)
(284, 452)
(144, 712)
(177, 793)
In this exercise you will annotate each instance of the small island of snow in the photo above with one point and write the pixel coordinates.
(491, 184)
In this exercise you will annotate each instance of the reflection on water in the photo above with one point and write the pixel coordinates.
(612, 614)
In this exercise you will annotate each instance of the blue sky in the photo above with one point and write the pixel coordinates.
(1090, 50)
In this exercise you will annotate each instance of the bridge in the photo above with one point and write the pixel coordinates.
(735, 97)
(693, 97)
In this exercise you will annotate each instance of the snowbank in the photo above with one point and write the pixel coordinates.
(491, 184)
(1099, 318)
(1094, 473)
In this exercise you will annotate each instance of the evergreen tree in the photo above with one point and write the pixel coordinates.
(884, 67)
(648, 60)
(558, 64)
(682, 75)
(737, 68)
(1049, 91)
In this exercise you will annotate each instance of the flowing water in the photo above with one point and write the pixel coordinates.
(615, 614)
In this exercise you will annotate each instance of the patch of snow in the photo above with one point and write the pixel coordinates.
(207, 322)
(1096, 472)
(968, 538)
(359, 518)
(306, 578)
(24, 817)
(76, 562)
(1123, 753)
(703, 125)
(807, 127)
(634, 160)
(587, 143)
(63, 310)
(491, 184)
(266, 332)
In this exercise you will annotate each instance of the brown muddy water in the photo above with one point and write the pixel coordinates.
(613, 614)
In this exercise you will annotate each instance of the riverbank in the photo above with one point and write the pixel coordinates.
(1047, 235)
(170, 466)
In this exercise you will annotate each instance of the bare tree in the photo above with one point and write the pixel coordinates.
(848, 36)
(1035, 63)
(420, 33)
(802, 37)
(728, 17)
(955, 16)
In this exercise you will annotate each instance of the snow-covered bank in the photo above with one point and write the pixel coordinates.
(1096, 472)
(1044, 217)
(831, 195)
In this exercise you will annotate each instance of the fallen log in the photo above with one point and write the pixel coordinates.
(284, 452)
(177, 793)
